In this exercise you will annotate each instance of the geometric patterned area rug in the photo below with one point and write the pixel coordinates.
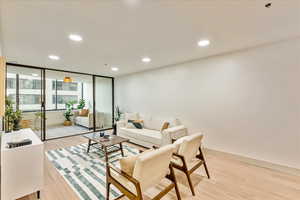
(85, 172)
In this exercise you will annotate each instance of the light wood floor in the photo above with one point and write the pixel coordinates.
(231, 179)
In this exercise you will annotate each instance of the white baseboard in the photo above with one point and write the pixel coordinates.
(259, 163)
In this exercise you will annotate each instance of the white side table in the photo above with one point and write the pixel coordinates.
(22, 168)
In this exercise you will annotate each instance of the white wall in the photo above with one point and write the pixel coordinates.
(246, 103)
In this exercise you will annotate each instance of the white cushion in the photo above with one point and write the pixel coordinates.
(128, 132)
(178, 142)
(146, 135)
(190, 164)
(152, 167)
(154, 124)
(174, 122)
(124, 181)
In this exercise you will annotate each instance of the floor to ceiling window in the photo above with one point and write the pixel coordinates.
(103, 102)
(24, 89)
(77, 93)
(56, 103)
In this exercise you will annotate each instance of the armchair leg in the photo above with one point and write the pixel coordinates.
(206, 170)
(204, 162)
(175, 183)
(107, 191)
(190, 183)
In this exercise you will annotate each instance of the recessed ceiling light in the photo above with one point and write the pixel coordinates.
(203, 43)
(75, 37)
(115, 69)
(34, 75)
(53, 57)
(146, 59)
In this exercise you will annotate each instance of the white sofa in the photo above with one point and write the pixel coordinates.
(151, 135)
(87, 121)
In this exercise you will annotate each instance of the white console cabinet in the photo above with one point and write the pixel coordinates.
(22, 168)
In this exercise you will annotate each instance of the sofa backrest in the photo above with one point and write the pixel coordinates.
(151, 167)
(151, 122)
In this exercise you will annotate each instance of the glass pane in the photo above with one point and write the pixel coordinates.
(29, 99)
(58, 94)
(11, 86)
(103, 89)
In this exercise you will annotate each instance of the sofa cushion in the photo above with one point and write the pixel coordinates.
(154, 124)
(148, 135)
(128, 132)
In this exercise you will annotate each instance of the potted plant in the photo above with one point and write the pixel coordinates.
(16, 120)
(12, 117)
(81, 104)
(69, 113)
(118, 113)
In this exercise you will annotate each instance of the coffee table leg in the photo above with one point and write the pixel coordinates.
(121, 147)
(89, 145)
(106, 154)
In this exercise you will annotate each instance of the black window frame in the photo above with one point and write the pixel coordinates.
(43, 101)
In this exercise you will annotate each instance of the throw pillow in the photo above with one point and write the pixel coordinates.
(164, 126)
(130, 124)
(136, 123)
(84, 112)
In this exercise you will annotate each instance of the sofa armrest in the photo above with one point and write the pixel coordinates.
(120, 124)
(173, 133)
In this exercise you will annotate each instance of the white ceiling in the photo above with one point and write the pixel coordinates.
(121, 32)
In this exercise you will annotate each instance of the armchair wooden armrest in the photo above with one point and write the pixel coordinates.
(122, 173)
(122, 188)
(180, 157)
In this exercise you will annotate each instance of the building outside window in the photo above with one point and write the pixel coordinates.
(57, 94)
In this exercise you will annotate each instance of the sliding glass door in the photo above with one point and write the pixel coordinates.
(24, 89)
(104, 102)
(69, 104)
(56, 103)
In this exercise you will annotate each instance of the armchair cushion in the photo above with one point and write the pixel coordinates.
(127, 164)
(190, 147)
(178, 142)
(124, 181)
(189, 164)
(155, 164)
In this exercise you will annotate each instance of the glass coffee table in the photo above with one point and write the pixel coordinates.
(107, 144)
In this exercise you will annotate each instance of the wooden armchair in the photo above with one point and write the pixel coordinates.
(148, 170)
(189, 156)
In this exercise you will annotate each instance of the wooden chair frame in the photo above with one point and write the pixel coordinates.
(184, 167)
(111, 180)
